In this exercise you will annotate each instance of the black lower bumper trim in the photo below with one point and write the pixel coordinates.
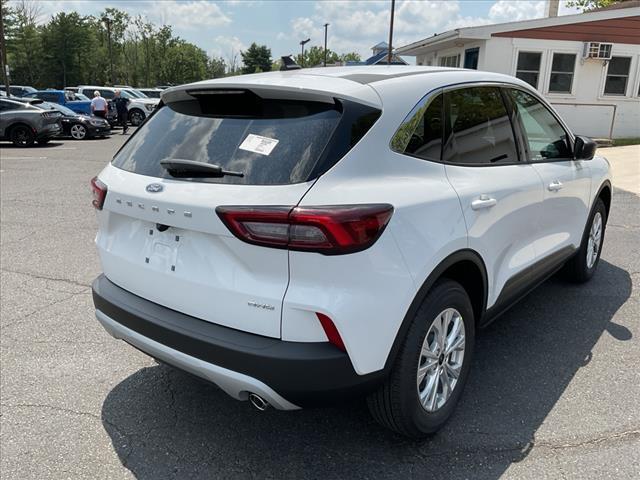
(306, 374)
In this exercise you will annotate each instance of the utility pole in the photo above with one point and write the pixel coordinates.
(107, 21)
(3, 54)
(302, 43)
(325, 43)
(390, 52)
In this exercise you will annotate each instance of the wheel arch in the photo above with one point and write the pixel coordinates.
(464, 266)
(604, 192)
(19, 123)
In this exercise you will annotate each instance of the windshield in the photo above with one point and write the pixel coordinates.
(80, 96)
(281, 149)
(132, 93)
(126, 94)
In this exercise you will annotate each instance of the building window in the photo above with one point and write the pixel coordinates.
(562, 68)
(617, 76)
(528, 68)
(450, 61)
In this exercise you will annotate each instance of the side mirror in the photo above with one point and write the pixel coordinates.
(584, 148)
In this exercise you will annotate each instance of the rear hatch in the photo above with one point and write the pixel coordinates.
(160, 237)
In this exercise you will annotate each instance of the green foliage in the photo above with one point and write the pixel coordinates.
(314, 57)
(350, 57)
(256, 59)
(71, 49)
(586, 5)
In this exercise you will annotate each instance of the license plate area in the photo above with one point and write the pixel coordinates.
(162, 248)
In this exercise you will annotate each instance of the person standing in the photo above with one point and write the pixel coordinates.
(98, 105)
(121, 104)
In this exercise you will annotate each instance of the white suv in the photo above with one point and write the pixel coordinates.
(302, 237)
(138, 108)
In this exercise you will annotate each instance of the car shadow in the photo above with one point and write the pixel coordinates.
(164, 423)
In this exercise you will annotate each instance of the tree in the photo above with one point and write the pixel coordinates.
(350, 57)
(216, 67)
(70, 49)
(24, 43)
(314, 57)
(64, 39)
(586, 5)
(257, 58)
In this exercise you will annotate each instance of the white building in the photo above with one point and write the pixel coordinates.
(586, 65)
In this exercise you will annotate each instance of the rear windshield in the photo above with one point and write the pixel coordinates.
(279, 142)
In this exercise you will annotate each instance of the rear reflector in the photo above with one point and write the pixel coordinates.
(99, 191)
(331, 331)
(330, 230)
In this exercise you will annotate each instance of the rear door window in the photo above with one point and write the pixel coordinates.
(477, 128)
(272, 142)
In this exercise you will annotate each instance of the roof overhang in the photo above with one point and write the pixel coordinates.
(484, 32)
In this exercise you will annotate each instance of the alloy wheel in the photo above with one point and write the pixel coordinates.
(136, 118)
(440, 360)
(595, 238)
(78, 132)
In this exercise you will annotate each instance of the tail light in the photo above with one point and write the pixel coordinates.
(330, 230)
(99, 191)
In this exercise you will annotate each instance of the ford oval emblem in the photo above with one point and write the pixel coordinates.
(154, 188)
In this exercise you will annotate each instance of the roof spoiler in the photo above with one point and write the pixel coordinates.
(288, 63)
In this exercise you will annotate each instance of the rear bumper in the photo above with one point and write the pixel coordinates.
(98, 131)
(287, 374)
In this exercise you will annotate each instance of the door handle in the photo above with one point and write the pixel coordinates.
(484, 201)
(555, 186)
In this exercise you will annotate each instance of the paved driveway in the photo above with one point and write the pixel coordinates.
(554, 391)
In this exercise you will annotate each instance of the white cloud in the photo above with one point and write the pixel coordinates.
(227, 47)
(510, 11)
(184, 15)
(188, 15)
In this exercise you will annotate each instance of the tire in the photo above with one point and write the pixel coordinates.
(397, 404)
(136, 117)
(78, 131)
(584, 263)
(22, 136)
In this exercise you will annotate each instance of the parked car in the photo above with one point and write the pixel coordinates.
(139, 108)
(23, 123)
(366, 225)
(80, 126)
(151, 92)
(18, 90)
(65, 98)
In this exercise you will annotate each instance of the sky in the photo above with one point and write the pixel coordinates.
(223, 28)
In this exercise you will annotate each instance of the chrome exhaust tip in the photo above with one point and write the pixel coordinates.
(258, 402)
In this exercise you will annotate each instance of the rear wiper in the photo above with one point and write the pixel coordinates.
(180, 168)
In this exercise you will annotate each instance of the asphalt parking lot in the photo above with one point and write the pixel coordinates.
(554, 391)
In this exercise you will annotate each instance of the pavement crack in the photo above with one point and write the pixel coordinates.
(47, 277)
(26, 316)
(611, 437)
